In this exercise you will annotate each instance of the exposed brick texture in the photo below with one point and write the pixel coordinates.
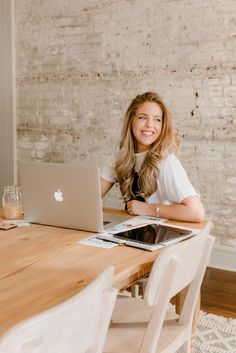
(79, 63)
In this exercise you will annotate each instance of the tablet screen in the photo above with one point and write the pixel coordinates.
(152, 234)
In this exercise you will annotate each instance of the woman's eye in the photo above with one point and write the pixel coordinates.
(142, 117)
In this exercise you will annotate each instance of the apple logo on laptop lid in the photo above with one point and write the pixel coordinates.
(58, 195)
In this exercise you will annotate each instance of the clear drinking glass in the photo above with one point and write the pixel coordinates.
(12, 202)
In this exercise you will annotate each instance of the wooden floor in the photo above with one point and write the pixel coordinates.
(218, 292)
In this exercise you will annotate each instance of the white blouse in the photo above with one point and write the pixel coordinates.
(173, 184)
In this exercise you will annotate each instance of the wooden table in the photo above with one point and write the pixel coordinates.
(41, 266)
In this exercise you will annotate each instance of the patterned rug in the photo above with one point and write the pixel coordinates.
(216, 334)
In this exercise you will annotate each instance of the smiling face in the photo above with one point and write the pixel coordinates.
(147, 125)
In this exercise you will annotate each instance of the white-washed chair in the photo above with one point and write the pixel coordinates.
(77, 325)
(140, 325)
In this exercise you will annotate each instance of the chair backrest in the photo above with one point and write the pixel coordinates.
(77, 325)
(176, 267)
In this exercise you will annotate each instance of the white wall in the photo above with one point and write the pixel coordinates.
(223, 257)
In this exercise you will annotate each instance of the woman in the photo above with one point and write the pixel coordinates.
(152, 180)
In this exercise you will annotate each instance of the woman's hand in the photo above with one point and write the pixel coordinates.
(140, 208)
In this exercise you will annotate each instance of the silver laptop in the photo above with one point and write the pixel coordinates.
(64, 195)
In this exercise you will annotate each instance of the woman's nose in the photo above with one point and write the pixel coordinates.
(149, 121)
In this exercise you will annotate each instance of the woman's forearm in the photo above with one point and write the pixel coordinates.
(180, 212)
(189, 210)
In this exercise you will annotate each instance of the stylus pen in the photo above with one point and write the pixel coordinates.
(131, 226)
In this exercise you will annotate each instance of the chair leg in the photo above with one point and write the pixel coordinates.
(183, 348)
(138, 288)
(195, 324)
(179, 303)
(135, 290)
(143, 285)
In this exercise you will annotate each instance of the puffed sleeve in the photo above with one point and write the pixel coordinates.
(173, 182)
(108, 170)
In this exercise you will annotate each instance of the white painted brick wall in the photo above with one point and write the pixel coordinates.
(79, 63)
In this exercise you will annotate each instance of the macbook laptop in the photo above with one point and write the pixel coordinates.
(64, 195)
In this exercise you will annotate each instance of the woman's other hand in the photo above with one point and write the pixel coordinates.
(139, 208)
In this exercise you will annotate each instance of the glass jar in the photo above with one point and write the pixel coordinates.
(12, 202)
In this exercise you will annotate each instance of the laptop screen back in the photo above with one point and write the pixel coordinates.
(64, 195)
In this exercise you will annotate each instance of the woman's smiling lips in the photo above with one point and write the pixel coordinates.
(147, 133)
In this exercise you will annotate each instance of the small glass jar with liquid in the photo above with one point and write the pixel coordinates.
(12, 202)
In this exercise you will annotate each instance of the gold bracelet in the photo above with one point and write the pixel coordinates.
(157, 212)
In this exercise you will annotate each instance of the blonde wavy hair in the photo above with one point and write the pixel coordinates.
(168, 142)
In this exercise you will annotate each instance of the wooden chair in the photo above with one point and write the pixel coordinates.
(77, 325)
(145, 325)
